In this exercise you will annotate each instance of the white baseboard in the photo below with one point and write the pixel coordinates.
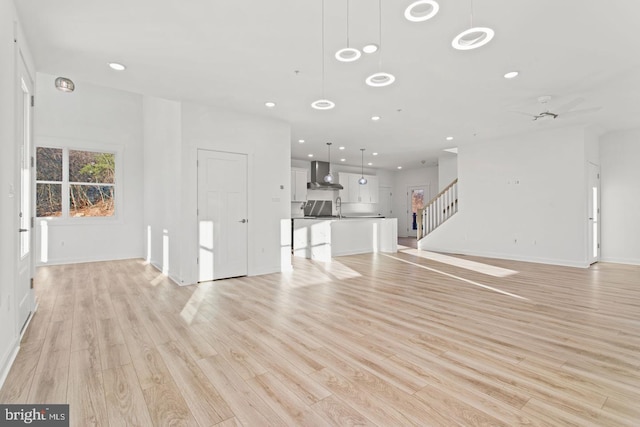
(511, 257)
(5, 365)
(627, 261)
(8, 362)
(84, 260)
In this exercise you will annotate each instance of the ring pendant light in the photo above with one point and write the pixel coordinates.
(421, 10)
(323, 103)
(348, 54)
(474, 37)
(380, 78)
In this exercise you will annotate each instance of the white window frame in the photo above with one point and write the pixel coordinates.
(66, 146)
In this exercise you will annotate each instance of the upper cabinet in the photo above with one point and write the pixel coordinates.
(353, 192)
(298, 185)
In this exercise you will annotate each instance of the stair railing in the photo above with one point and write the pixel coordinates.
(438, 210)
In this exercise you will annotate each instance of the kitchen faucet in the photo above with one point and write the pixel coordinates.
(339, 207)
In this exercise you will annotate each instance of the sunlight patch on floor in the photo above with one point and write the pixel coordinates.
(478, 267)
(190, 309)
(471, 282)
(316, 272)
(157, 280)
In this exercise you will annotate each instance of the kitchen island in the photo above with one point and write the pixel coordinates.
(321, 239)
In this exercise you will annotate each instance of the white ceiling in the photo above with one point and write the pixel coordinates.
(240, 54)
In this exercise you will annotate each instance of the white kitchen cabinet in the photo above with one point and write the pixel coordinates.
(354, 188)
(373, 189)
(298, 185)
(353, 192)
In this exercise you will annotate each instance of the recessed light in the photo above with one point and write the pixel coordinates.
(270, 104)
(375, 154)
(449, 138)
(309, 155)
(301, 141)
(511, 75)
(399, 167)
(380, 79)
(370, 164)
(323, 104)
(472, 38)
(343, 160)
(375, 118)
(421, 10)
(340, 148)
(370, 48)
(117, 66)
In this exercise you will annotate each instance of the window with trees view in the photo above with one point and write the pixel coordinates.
(74, 183)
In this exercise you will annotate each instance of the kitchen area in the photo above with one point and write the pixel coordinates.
(341, 213)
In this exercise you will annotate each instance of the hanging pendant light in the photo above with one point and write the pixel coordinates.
(348, 54)
(380, 78)
(328, 178)
(362, 180)
(474, 37)
(323, 103)
(421, 10)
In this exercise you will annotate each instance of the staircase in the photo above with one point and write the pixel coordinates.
(438, 210)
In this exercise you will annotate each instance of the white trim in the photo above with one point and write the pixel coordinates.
(510, 257)
(4, 373)
(8, 362)
(69, 144)
(67, 261)
(614, 260)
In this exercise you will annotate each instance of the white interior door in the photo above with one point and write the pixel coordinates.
(222, 215)
(417, 197)
(593, 233)
(23, 292)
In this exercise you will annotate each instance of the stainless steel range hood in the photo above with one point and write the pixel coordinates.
(318, 172)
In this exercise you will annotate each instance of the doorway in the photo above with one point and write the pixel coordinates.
(384, 202)
(222, 215)
(24, 295)
(593, 214)
(417, 197)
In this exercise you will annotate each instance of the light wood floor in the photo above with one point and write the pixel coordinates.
(365, 340)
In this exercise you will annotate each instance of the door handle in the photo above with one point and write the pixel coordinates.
(243, 220)
(22, 230)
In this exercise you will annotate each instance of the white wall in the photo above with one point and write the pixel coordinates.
(91, 117)
(427, 175)
(9, 184)
(162, 180)
(267, 144)
(447, 170)
(620, 185)
(522, 198)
